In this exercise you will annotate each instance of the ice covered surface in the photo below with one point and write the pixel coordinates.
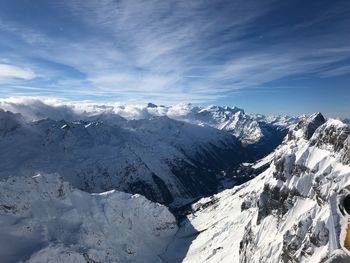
(44, 219)
(286, 214)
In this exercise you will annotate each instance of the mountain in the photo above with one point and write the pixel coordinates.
(70, 189)
(170, 154)
(288, 213)
(248, 128)
(167, 161)
(45, 219)
(259, 134)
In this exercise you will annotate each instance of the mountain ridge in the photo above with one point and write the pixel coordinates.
(288, 213)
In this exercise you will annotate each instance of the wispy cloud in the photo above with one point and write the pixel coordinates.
(10, 72)
(193, 50)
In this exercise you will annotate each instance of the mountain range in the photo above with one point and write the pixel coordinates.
(183, 183)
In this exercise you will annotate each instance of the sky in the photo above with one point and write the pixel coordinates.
(270, 57)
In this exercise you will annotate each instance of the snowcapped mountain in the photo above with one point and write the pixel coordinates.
(248, 128)
(258, 133)
(44, 219)
(288, 213)
(66, 185)
(233, 120)
(167, 161)
(170, 154)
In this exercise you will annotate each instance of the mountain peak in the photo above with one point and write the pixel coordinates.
(334, 135)
(317, 117)
(9, 121)
(307, 126)
(151, 105)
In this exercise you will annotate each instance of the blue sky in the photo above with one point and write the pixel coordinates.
(287, 57)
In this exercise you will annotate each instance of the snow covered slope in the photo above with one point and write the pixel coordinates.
(167, 161)
(45, 220)
(286, 214)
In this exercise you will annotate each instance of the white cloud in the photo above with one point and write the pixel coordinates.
(154, 50)
(35, 108)
(8, 71)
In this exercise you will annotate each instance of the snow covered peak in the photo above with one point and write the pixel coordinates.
(334, 136)
(218, 117)
(282, 121)
(307, 126)
(222, 109)
(44, 219)
(151, 105)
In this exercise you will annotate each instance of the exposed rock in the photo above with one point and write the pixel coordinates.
(334, 136)
(307, 126)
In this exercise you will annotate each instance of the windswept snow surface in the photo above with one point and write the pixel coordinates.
(44, 219)
(286, 214)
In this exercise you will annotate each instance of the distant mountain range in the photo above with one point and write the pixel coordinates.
(71, 180)
(169, 160)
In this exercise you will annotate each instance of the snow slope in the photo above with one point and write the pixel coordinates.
(166, 160)
(286, 214)
(44, 219)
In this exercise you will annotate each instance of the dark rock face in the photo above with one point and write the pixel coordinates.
(308, 126)
(249, 201)
(246, 244)
(275, 201)
(302, 238)
(311, 124)
(339, 256)
(145, 189)
(338, 137)
(166, 195)
(151, 105)
(196, 181)
(284, 167)
(319, 234)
